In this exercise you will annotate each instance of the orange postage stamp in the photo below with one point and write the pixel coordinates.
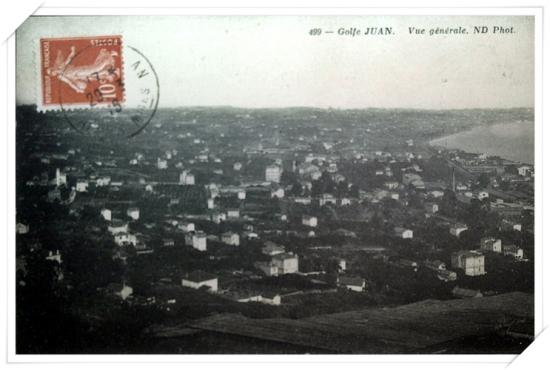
(81, 72)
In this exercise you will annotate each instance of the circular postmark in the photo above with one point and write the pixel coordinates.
(122, 96)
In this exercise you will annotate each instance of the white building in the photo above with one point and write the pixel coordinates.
(125, 238)
(457, 229)
(210, 203)
(356, 284)
(230, 238)
(218, 217)
(287, 263)
(82, 186)
(302, 200)
(268, 268)
(22, 228)
(122, 291)
(187, 178)
(482, 195)
(431, 207)
(106, 214)
(472, 262)
(345, 201)
(327, 199)
(60, 178)
(524, 171)
(491, 244)
(273, 173)
(133, 213)
(310, 221)
(162, 164)
(103, 181)
(278, 193)
(199, 279)
(272, 249)
(196, 240)
(54, 256)
(233, 213)
(186, 226)
(513, 250)
(403, 233)
(342, 264)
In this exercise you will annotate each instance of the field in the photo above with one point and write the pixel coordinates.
(412, 328)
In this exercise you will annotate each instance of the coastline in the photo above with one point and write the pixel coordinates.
(498, 140)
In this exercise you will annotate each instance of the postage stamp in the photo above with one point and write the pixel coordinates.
(81, 72)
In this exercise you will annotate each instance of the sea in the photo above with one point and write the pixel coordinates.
(514, 141)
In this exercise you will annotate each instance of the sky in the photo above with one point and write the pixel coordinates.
(273, 61)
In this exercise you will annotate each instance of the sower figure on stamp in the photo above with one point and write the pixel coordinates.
(77, 77)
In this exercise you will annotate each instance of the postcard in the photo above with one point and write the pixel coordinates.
(243, 184)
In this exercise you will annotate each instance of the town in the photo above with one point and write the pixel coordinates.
(268, 213)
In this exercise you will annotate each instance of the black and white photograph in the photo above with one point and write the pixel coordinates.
(275, 184)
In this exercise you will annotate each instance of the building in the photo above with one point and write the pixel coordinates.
(82, 186)
(218, 217)
(327, 199)
(310, 221)
(187, 178)
(272, 249)
(162, 164)
(54, 256)
(230, 238)
(354, 283)
(431, 207)
(491, 244)
(273, 173)
(342, 264)
(210, 203)
(286, 263)
(508, 225)
(457, 229)
(403, 233)
(103, 181)
(22, 228)
(133, 213)
(196, 240)
(268, 268)
(186, 227)
(271, 298)
(60, 178)
(472, 262)
(446, 275)
(125, 238)
(168, 242)
(410, 178)
(512, 250)
(122, 291)
(391, 185)
(117, 226)
(525, 171)
(106, 214)
(199, 279)
(233, 213)
(482, 195)
(278, 193)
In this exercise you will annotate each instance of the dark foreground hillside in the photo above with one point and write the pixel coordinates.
(497, 324)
